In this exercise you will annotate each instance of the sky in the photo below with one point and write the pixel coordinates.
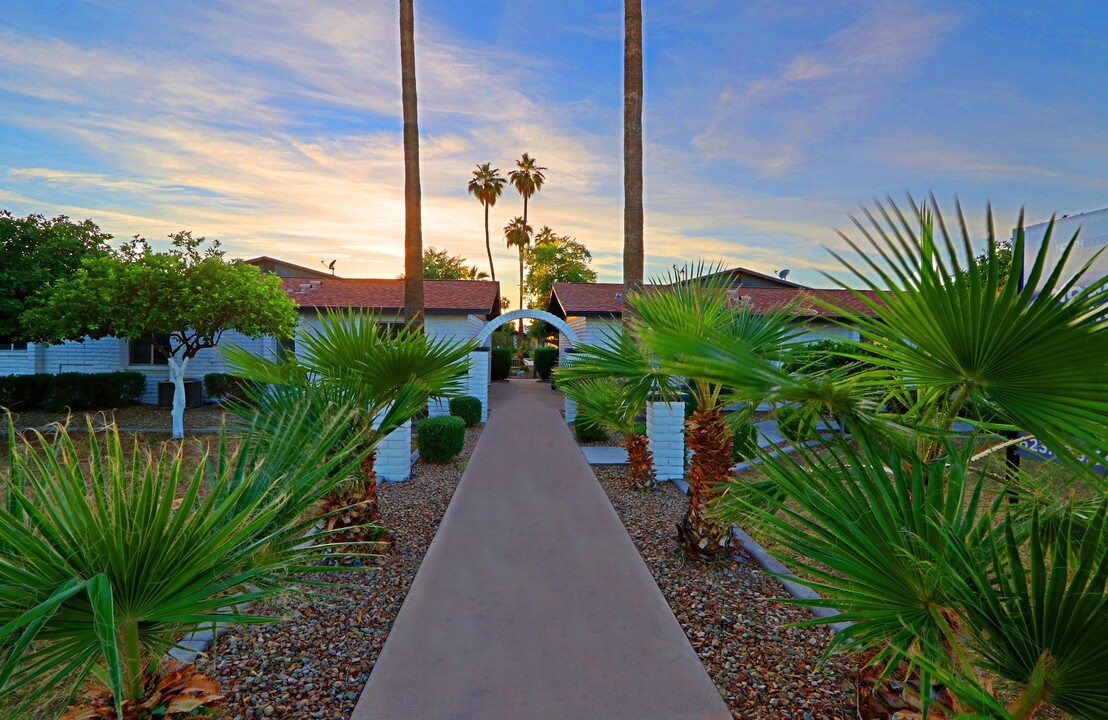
(275, 125)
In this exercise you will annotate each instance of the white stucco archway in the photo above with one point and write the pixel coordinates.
(480, 365)
(562, 325)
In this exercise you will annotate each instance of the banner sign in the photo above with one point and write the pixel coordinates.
(1092, 238)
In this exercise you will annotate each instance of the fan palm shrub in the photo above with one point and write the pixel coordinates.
(353, 356)
(894, 530)
(107, 560)
(698, 307)
(616, 407)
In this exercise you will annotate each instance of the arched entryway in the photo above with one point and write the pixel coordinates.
(480, 365)
(492, 325)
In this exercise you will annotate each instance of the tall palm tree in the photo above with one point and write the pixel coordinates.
(527, 179)
(632, 149)
(413, 222)
(518, 234)
(486, 186)
(545, 235)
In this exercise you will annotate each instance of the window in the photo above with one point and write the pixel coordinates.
(9, 345)
(286, 348)
(143, 352)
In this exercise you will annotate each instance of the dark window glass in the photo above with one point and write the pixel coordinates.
(286, 348)
(143, 352)
(6, 344)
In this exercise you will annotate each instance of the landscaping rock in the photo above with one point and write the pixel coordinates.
(730, 613)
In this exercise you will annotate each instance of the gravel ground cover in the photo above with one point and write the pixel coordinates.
(314, 664)
(729, 613)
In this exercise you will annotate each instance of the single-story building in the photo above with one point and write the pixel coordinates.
(594, 309)
(455, 309)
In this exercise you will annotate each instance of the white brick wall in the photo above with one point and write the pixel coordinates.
(437, 407)
(19, 362)
(448, 327)
(478, 380)
(394, 455)
(665, 436)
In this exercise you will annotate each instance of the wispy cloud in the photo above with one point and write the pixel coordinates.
(769, 123)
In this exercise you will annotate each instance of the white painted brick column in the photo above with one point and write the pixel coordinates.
(477, 383)
(394, 455)
(665, 436)
(437, 407)
(565, 360)
(571, 409)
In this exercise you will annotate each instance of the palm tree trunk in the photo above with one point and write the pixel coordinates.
(701, 535)
(640, 461)
(632, 150)
(413, 223)
(488, 246)
(521, 283)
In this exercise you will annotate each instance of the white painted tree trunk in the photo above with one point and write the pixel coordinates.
(177, 377)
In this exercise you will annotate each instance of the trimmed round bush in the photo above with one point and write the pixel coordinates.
(439, 439)
(745, 441)
(796, 424)
(545, 358)
(225, 386)
(468, 408)
(588, 430)
(501, 363)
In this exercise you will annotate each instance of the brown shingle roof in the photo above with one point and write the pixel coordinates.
(477, 297)
(593, 299)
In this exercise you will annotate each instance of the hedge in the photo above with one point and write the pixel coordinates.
(501, 363)
(75, 391)
(25, 392)
(223, 385)
(439, 439)
(545, 358)
(468, 408)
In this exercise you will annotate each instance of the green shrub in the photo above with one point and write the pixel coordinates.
(796, 424)
(25, 392)
(745, 440)
(112, 578)
(586, 429)
(640, 428)
(501, 363)
(226, 386)
(95, 391)
(467, 407)
(440, 438)
(821, 356)
(545, 358)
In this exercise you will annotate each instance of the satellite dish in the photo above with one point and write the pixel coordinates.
(783, 273)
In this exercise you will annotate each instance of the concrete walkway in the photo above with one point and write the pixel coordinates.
(532, 601)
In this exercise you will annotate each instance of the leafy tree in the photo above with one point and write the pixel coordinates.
(486, 186)
(182, 301)
(36, 252)
(1003, 251)
(413, 214)
(441, 265)
(554, 259)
